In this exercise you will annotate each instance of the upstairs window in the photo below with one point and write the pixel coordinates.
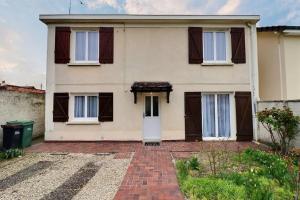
(215, 46)
(87, 46)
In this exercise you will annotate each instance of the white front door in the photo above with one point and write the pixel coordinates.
(151, 119)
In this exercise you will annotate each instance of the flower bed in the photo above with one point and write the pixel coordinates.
(251, 174)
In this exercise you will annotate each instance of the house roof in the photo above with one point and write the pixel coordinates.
(123, 18)
(22, 89)
(287, 30)
(277, 28)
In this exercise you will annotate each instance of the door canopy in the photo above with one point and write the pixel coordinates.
(151, 87)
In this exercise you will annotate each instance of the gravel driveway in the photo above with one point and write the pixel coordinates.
(62, 176)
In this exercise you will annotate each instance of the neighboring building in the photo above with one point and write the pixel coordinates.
(279, 62)
(22, 103)
(150, 78)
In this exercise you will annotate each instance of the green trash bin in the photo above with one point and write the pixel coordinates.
(26, 135)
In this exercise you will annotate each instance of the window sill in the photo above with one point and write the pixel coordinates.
(218, 139)
(83, 123)
(217, 64)
(84, 64)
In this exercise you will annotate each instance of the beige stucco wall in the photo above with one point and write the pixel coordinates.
(292, 66)
(141, 53)
(22, 106)
(279, 66)
(270, 76)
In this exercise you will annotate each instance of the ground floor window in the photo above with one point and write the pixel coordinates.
(85, 107)
(216, 115)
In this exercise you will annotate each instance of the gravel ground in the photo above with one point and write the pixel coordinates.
(103, 183)
(107, 180)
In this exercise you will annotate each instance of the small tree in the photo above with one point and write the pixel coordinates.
(281, 124)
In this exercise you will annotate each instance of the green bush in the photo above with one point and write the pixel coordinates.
(182, 171)
(258, 187)
(211, 188)
(10, 153)
(273, 166)
(281, 123)
(261, 176)
(193, 163)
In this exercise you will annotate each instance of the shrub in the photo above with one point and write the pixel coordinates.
(193, 163)
(11, 153)
(258, 187)
(211, 188)
(281, 124)
(189, 167)
(273, 166)
(182, 171)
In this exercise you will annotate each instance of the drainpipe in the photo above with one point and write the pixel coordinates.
(280, 65)
(254, 77)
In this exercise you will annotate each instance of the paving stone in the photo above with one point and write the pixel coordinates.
(73, 185)
(24, 174)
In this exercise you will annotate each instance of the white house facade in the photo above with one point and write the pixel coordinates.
(150, 78)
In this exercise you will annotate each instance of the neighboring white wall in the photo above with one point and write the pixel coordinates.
(263, 135)
(22, 106)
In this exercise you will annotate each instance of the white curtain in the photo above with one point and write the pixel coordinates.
(80, 46)
(93, 46)
(223, 115)
(92, 106)
(79, 106)
(221, 46)
(208, 43)
(208, 106)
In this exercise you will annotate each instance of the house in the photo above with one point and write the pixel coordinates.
(279, 63)
(279, 70)
(150, 77)
(22, 103)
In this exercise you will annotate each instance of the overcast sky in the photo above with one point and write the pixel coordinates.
(23, 36)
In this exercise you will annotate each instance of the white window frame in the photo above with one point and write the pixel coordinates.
(72, 108)
(232, 116)
(228, 46)
(86, 46)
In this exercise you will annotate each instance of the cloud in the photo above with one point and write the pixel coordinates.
(160, 7)
(92, 4)
(229, 7)
(7, 66)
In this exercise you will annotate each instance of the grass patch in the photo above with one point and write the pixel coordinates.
(11, 153)
(251, 174)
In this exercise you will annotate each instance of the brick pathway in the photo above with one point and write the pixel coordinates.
(151, 174)
(115, 147)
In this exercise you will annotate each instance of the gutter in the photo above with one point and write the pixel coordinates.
(292, 32)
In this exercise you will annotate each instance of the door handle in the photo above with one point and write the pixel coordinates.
(143, 115)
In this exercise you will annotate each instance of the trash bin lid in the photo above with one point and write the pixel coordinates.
(17, 122)
(15, 126)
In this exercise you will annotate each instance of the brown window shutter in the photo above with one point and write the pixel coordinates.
(106, 107)
(244, 116)
(61, 107)
(62, 45)
(238, 45)
(195, 45)
(106, 49)
(193, 116)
